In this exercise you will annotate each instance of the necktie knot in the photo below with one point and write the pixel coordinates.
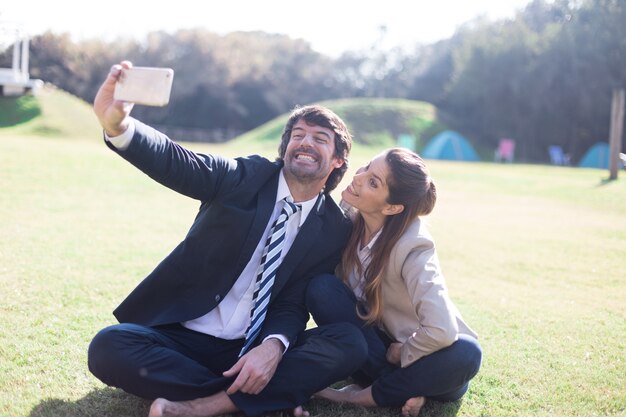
(290, 208)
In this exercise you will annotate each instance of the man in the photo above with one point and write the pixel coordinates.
(218, 326)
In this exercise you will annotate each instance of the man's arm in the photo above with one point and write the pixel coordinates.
(194, 175)
(122, 142)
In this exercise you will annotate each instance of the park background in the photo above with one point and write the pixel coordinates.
(533, 253)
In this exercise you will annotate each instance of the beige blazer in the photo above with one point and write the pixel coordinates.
(417, 310)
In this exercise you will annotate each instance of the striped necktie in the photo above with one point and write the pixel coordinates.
(267, 272)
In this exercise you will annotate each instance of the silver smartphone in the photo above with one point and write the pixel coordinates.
(149, 86)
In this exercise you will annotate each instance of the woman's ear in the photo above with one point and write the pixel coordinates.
(393, 209)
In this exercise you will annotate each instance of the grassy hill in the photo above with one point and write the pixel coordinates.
(52, 113)
(372, 122)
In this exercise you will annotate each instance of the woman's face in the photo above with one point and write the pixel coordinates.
(368, 192)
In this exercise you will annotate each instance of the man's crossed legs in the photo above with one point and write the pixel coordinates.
(177, 364)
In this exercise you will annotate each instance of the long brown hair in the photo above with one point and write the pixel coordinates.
(410, 185)
(324, 117)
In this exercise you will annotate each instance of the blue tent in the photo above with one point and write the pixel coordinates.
(451, 146)
(596, 157)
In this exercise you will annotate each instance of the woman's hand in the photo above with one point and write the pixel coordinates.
(393, 353)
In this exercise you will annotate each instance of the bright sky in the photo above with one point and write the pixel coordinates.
(347, 25)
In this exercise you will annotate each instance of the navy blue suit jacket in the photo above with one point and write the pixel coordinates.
(237, 198)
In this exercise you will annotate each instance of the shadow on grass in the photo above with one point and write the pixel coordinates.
(102, 402)
(111, 402)
(607, 181)
(321, 408)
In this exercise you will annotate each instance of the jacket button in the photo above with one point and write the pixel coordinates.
(217, 298)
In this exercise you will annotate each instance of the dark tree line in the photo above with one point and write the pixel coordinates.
(543, 77)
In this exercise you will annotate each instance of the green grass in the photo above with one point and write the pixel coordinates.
(52, 113)
(534, 257)
(17, 110)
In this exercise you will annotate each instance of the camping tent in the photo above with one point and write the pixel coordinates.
(449, 145)
(596, 157)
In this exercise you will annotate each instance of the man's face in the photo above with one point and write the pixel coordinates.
(309, 156)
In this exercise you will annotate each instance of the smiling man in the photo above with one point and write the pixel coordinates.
(219, 325)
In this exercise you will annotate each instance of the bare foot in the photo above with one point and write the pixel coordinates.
(338, 395)
(157, 408)
(326, 394)
(300, 412)
(412, 406)
(163, 408)
(201, 407)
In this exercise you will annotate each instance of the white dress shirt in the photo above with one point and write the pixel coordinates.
(231, 317)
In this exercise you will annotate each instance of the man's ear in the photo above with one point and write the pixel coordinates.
(338, 162)
(393, 209)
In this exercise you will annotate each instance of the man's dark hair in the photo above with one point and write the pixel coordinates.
(321, 116)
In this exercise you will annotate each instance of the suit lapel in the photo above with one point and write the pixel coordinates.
(265, 206)
(306, 238)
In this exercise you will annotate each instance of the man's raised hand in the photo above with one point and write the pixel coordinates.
(112, 114)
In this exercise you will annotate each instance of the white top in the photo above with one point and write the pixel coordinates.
(356, 280)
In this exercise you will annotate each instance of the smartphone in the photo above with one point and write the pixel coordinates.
(149, 86)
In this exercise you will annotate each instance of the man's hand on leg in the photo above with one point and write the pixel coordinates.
(256, 368)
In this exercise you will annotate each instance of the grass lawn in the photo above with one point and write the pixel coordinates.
(534, 256)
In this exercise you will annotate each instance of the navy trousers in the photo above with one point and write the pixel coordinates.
(179, 364)
(443, 375)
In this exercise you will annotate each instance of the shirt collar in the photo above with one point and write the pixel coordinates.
(373, 240)
(283, 191)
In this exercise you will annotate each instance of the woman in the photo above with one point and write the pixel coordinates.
(392, 288)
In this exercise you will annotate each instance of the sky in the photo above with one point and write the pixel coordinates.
(330, 26)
